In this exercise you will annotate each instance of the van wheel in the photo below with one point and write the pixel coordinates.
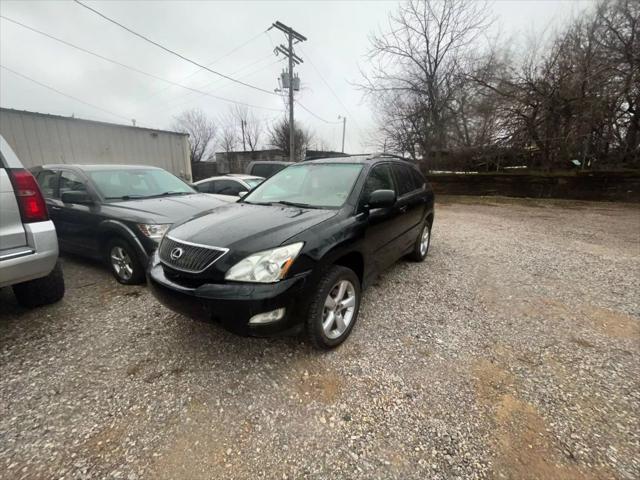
(41, 291)
(334, 308)
(124, 262)
(421, 247)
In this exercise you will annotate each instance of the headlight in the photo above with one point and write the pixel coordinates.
(265, 267)
(154, 231)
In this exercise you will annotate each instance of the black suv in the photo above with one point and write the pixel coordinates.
(117, 213)
(297, 250)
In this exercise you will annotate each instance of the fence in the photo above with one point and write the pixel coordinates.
(609, 186)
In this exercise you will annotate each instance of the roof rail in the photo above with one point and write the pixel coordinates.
(390, 155)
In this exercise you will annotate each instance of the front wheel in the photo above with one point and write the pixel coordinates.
(334, 308)
(124, 262)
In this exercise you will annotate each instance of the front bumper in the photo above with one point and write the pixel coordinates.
(233, 304)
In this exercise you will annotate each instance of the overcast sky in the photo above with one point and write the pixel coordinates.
(207, 31)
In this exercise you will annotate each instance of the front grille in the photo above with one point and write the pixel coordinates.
(188, 257)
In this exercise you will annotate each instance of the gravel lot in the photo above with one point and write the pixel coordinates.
(512, 352)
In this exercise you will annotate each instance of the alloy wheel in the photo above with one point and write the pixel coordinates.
(339, 308)
(121, 262)
(424, 240)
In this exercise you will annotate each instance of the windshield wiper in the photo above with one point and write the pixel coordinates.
(267, 204)
(170, 193)
(295, 204)
(126, 197)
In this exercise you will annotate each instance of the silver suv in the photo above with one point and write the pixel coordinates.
(28, 243)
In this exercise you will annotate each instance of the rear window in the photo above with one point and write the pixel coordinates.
(405, 179)
(418, 179)
(266, 169)
(48, 181)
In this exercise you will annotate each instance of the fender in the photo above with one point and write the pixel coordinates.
(119, 228)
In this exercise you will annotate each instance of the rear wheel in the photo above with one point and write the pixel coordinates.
(41, 291)
(124, 262)
(421, 246)
(334, 308)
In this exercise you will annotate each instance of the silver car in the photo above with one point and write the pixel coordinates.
(28, 243)
(232, 184)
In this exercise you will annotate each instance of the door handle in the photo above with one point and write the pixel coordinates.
(54, 207)
(403, 209)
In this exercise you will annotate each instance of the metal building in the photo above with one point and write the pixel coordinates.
(39, 138)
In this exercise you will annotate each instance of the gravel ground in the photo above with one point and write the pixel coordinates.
(512, 352)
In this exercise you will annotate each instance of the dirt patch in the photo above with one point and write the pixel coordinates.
(612, 323)
(524, 447)
(324, 387)
(106, 440)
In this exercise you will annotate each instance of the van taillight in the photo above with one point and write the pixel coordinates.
(30, 199)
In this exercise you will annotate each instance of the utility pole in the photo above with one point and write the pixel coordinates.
(344, 127)
(244, 147)
(293, 37)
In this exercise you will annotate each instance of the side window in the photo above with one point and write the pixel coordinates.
(228, 187)
(48, 181)
(206, 187)
(70, 182)
(404, 179)
(379, 179)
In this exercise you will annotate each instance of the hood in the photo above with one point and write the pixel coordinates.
(168, 209)
(248, 228)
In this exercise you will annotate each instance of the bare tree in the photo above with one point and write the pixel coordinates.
(577, 97)
(279, 137)
(202, 132)
(229, 139)
(417, 65)
(250, 127)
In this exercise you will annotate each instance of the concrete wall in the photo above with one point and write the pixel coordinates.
(202, 170)
(237, 162)
(40, 139)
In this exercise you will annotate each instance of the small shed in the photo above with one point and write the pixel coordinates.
(39, 138)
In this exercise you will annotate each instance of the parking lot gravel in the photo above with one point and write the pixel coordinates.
(511, 352)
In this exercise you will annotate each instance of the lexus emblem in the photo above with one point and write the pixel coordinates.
(176, 253)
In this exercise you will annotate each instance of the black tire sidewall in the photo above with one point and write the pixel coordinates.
(138, 268)
(315, 331)
(41, 291)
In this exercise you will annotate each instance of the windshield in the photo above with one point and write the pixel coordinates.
(315, 185)
(137, 183)
(253, 182)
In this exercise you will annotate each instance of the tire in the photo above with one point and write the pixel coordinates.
(124, 262)
(331, 334)
(41, 291)
(420, 249)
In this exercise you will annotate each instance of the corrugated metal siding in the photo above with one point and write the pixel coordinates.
(39, 139)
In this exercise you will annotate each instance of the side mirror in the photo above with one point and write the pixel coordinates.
(74, 196)
(242, 194)
(382, 199)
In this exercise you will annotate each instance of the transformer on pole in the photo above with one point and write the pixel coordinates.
(287, 78)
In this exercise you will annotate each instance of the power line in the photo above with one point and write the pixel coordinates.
(328, 85)
(315, 115)
(134, 69)
(172, 52)
(208, 64)
(62, 93)
(183, 101)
